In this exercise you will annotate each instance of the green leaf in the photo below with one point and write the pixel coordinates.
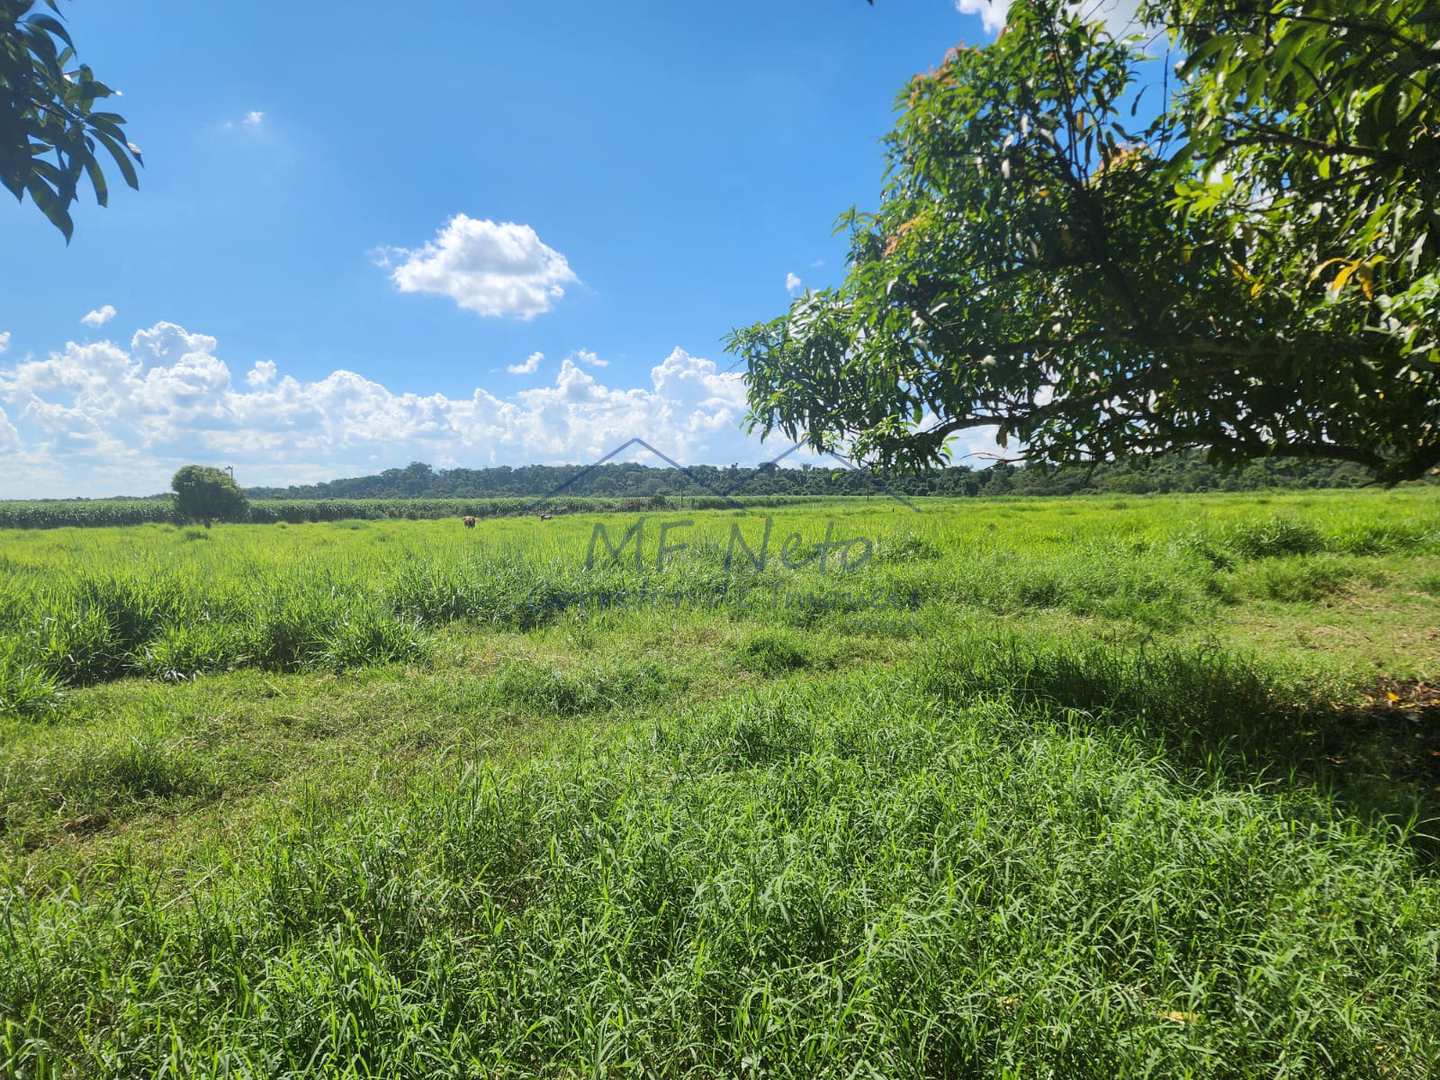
(122, 159)
(97, 178)
(51, 206)
(53, 26)
(48, 170)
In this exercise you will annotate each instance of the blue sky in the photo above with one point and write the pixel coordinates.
(355, 218)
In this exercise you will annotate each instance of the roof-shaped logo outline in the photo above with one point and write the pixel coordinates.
(726, 493)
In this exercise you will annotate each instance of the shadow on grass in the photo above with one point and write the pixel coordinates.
(1373, 751)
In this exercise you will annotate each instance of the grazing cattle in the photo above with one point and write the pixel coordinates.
(546, 517)
(469, 522)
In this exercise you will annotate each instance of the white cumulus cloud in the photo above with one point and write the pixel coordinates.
(992, 12)
(100, 316)
(588, 358)
(9, 437)
(793, 283)
(527, 366)
(1118, 14)
(106, 418)
(4, 340)
(493, 269)
(252, 121)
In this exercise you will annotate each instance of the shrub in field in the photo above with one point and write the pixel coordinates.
(1276, 535)
(772, 653)
(1383, 539)
(78, 645)
(289, 627)
(1205, 545)
(590, 688)
(204, 494)
(906, 547)
(1039, 591)
(136, 606)
(503, 591)
(186, 650)
(1301, 580)
(808, 604)
(366, 635)
(27, 689)
(93, 630)
(1191, 687)
(439, 591)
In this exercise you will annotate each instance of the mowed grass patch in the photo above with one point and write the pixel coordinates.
(130, 751)
(265, 733)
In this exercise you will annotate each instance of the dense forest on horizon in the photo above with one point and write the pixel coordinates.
(1172, 473)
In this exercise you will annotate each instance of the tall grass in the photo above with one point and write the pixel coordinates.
(82, 611)
(954, 868)
(999, 803)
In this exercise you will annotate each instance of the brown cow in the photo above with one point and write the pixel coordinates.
(469, 522)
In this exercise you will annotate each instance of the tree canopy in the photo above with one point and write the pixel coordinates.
(1099, 255)
(205, 494)
(50, 130)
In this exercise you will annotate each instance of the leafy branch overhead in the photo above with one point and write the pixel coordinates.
(51, 135)
(1098, 253)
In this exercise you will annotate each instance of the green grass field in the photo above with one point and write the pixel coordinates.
(1067, 788)
(101, 513)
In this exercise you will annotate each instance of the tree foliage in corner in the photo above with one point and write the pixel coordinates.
(207, 495)
(50, 130)
(1099, 256)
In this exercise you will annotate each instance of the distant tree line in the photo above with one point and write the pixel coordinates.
(1171, 473)
(419, 492)
(162, 510)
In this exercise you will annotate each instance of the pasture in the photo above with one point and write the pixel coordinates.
(160, 510)
(1065, 787)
